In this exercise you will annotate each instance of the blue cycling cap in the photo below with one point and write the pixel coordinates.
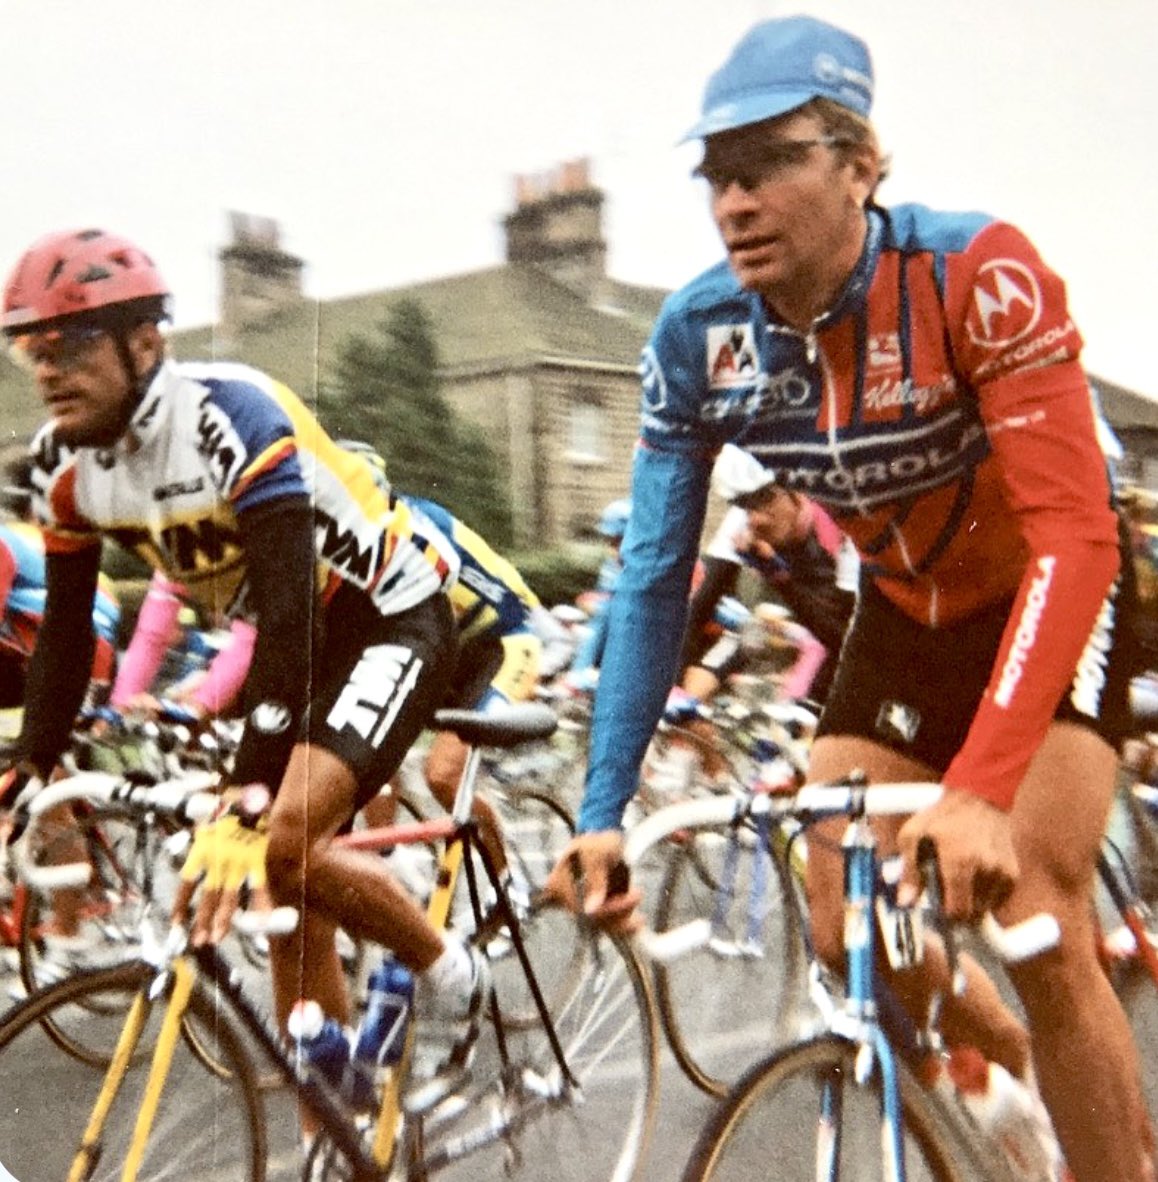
(780, 65)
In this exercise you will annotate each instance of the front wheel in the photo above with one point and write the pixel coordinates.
(209, 1125)
(727, 1003)
(800, 1115)
(518, 1113)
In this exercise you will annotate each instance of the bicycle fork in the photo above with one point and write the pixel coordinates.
(88, 1155)
(874, 1052)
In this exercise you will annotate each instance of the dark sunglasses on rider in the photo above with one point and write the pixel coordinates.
(750, 165)
(62, 348)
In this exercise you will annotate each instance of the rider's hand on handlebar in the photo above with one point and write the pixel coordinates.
(227, 852)
(974, 843)
(591, 878)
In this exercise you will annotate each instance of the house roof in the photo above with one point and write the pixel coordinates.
(494, 318)
(1125, 409)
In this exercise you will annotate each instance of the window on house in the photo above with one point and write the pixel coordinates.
(586, 433)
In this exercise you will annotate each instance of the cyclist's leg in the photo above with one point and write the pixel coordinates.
(64, 845)
(339, 887)
(444, 764)
(492, 671)
(979, 1017)
(378, 682)
(1082, 1045)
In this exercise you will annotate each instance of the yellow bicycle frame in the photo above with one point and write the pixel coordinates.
(183, 977)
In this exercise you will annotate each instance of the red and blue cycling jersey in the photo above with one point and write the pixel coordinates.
(939, 412)
(23, 593)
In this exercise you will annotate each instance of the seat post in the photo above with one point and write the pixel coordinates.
(464, 797)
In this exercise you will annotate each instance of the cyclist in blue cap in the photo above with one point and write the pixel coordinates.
(917, 374)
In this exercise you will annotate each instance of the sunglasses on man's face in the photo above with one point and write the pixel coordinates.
(62, 348)
(753, 165)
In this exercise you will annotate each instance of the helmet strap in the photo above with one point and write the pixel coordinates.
(138, 386)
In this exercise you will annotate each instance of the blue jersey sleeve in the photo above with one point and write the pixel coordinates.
(645, 625)
(250, 443)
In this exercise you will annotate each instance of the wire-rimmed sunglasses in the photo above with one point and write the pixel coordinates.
(751, 166)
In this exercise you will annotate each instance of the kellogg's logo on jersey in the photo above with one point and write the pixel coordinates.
(732, 357)
(1006, 304)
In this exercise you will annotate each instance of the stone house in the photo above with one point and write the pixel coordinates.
(541, 350)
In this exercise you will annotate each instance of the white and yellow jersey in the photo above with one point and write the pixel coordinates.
(210, 441)
(489, 597)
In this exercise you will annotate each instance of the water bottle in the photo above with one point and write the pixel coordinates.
(382, 1035)
(320, 1041)
(1009, 1112)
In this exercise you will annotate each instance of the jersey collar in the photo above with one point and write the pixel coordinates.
(851, 297)
(149, 420)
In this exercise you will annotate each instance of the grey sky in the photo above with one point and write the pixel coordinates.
(383, 134)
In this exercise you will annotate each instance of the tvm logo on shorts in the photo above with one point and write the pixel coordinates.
(380, 684)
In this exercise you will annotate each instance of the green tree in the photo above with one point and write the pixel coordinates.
(388, 392)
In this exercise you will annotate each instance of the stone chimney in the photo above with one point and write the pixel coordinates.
(258, 278)
(557, 224)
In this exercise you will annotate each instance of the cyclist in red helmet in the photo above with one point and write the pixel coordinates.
(219, 477)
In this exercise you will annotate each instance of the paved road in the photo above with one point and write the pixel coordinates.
(681, 1114)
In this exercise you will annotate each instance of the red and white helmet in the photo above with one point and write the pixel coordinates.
(81, 273)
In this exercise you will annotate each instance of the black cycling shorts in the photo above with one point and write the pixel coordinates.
(915, 689)
(378, 681)
(13, 673)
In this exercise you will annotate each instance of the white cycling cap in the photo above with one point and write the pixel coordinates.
(738, 474)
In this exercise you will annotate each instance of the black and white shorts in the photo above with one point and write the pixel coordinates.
(378, 681)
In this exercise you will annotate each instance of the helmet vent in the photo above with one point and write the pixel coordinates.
(93, 273)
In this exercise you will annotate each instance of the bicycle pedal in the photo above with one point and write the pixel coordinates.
(728, 949)
(445, 1111)
(423, 1098)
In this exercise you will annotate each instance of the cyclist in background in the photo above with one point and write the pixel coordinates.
(23, 595)
(217, 475)
(206, 692)
(916, 373)
(583, 672)
(808, 565)
(22, 598)
(800, 552)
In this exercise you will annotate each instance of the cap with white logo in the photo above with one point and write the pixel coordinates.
(780, 65)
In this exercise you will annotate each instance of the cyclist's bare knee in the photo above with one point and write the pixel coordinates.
(285, 861)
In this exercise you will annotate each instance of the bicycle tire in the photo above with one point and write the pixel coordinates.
(536, 827)
(773, 1115)
(603, 1011)
(692, 991)
(208, 1126)
(116, 899)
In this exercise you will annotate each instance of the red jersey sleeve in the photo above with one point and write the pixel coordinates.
(7, 575)
(1016, 344)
